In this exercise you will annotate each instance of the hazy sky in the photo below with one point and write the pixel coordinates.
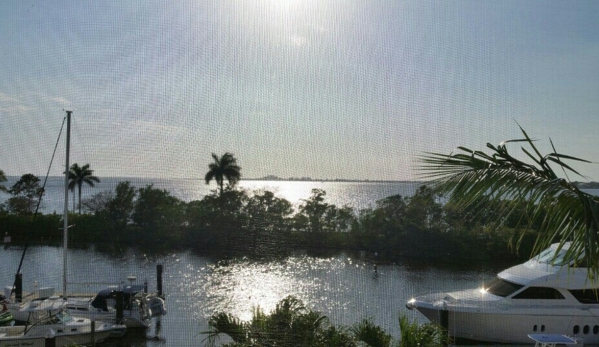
(349, 89)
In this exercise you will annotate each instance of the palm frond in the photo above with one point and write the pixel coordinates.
(370, 334)
(468, 177)
(224, 323)
(425, 335)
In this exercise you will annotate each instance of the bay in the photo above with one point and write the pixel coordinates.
(343, 288)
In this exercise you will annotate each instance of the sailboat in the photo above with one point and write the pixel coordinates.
(47, 318)
(139, 307)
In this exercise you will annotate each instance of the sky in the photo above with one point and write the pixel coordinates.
(293, 88)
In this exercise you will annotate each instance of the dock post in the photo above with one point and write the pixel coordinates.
(93, 333)
(19, 287)
(119, 305)
(159, 279)
(444, 320)
(50, 342)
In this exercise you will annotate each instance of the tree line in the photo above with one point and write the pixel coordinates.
(234, 221)
(495, 204)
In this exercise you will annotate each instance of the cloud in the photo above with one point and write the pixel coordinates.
(9, 104)
(62, 101)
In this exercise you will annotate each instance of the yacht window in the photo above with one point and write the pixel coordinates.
(584, 262)
(500, 287)
(551, 256)
(539, 293)
(586, 296)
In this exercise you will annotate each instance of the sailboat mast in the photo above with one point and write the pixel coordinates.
(65, 230)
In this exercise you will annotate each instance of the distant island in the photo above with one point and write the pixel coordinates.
(581, 185)
(310, 179)
(587, 185)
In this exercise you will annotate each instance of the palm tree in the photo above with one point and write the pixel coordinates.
(566, 213)
(79, 175)
(3, 179)
(72, 189)
(223, 168)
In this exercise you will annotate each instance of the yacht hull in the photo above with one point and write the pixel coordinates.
(514, 327)
(549, 294)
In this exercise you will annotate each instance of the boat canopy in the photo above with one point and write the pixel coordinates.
(103, 296)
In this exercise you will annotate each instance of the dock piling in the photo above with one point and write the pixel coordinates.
(159, 270)
(19, 287)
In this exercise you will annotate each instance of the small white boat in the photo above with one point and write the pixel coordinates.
(138, 307)
(48, 319)
(549, 294)
(19, 336)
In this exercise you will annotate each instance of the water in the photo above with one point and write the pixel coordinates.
(358, 195)
(344, 289)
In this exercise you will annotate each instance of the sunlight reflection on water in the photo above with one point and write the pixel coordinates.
(344, 289)
(241, 286)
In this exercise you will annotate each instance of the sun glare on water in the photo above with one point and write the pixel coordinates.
(241, 286)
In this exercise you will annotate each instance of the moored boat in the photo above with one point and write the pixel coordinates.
(138, 307)
(549, 294)
(17, 336)
(49, 319)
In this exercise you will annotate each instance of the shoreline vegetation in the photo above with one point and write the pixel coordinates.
(240, 222)
(293, 324)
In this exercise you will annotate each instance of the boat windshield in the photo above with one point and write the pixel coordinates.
(64, 316)
(500, 287)
(553, 257)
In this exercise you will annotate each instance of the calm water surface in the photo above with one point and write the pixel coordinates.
(344, 289)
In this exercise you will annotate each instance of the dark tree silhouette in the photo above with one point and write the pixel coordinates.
(80, 175)
(26, 191)
(223, 168)
(3, 179)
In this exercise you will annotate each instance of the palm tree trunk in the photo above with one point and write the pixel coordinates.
(79, 199)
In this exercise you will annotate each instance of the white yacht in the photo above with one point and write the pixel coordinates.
(549, 294)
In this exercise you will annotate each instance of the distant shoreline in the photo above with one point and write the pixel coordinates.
(291, 179)
(329, 180)
(11, 178)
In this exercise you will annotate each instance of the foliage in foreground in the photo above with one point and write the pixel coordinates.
(561, 211)
(291, 324)
(425, 335)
